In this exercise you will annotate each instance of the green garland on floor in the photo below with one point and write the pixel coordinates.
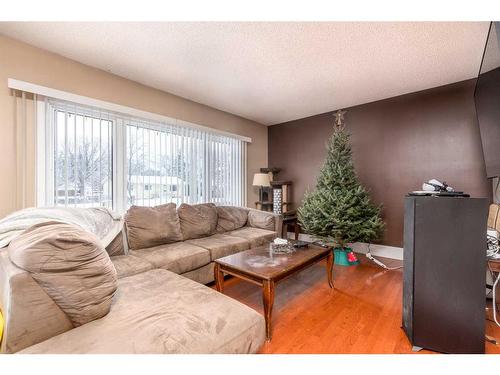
(339, 210)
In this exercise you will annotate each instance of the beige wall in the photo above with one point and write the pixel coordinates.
(27, 63)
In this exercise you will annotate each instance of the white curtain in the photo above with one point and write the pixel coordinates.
(25, 116)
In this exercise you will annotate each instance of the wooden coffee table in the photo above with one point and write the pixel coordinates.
(260, 267)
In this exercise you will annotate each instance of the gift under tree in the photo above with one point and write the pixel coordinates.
(339, 211)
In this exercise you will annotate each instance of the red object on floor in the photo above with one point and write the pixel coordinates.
(351, 257)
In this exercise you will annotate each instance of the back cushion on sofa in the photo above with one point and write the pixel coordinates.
(152, 226)
(71, 265)
(231, 218)
(199, 220)
(262, 220)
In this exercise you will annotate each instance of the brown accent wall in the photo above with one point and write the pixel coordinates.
(27, 63)
(397, 144)
(488, 111)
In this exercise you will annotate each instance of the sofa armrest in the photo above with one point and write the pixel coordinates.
(30, 315)
(278, 219)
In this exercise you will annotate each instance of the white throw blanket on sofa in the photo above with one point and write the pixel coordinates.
(100, 221)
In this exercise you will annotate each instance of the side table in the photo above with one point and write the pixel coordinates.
(290, 220)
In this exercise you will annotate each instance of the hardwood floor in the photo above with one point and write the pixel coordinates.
(362, 314)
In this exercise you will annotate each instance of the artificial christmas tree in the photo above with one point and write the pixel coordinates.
(339, 210)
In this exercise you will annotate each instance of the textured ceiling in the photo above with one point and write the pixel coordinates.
(271, 72)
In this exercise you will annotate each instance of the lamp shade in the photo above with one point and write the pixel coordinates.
(261, 179)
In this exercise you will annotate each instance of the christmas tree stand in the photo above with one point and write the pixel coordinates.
(345, 257)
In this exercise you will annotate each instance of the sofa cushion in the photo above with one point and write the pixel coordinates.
(221, 245)
(262, 220)
(255, 236)
(230, 218)
(161, 312)
(202, 275)
(178, 257)
(199, 220)
(152, 226)
(116, 247)
(129, 265)
(71, 265)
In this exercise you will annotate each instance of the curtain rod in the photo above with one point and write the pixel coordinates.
(85, 100)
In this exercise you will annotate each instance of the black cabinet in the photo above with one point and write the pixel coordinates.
(444, 273)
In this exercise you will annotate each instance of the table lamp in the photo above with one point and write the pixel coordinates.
(262, 180)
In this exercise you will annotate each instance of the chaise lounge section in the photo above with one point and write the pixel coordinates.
(159, 312)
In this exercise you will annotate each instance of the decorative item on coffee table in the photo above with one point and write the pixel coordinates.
(339, 210)
(281, 246)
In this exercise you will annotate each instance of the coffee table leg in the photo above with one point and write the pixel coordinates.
(268, 289)
(329, 268)
(219, 278)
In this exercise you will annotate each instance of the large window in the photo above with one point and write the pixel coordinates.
(176, 164)
(82, 159)
(97, 158)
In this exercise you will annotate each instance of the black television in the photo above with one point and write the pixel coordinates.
(487, 100)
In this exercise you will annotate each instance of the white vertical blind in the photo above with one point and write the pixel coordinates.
(81, 156)
(102, 158)
(181, 165)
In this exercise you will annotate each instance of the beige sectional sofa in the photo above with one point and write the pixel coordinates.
(160, 304)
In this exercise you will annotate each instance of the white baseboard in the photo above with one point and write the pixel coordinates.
(385, 251)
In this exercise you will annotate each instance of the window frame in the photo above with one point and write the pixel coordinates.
(44, 167)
